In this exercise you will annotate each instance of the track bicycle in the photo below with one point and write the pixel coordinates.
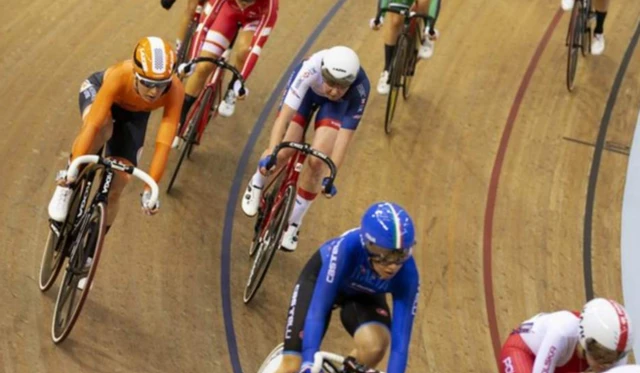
(323, 362)
(405, 58)
(79, 239)
(276, 205)
(579, 29)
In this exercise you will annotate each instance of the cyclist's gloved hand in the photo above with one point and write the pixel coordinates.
(145, 201)
(62, 179)
(167, 4)
(240, 90)
(264, 162)
(306, 367)
(376, 23)
(186, 69)
(350, 365)
(331, 192)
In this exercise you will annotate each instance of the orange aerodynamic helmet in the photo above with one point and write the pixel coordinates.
(154, 59)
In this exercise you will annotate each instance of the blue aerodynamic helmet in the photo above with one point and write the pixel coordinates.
(388, 226)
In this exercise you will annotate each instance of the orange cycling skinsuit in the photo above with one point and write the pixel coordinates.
(112, 93)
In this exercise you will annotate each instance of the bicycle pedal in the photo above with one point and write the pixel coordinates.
(55, 228)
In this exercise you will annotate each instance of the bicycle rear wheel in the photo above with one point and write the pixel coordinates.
(269, 242)
(88, 239)
(585, 38)
(183, 53)
(55, 249)
(410, 61)
(192, 132)
(574, 39)
(397, 68)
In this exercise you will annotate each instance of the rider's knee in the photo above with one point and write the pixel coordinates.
(316, 165)
(203, 70)
(372, 344)
(289, 365)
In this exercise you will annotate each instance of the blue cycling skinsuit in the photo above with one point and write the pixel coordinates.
(339, 275)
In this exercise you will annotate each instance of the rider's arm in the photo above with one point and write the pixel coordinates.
(549, 352)
(260, 37)
(405, 304)
(341, 145)
(331, 274)
(295, 93)
(357, 103)
(167, 129)
(98, 114)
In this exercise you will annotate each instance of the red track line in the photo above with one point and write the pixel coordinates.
(495, 179)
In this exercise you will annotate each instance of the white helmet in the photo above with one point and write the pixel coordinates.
(608, 323)
(340, 66)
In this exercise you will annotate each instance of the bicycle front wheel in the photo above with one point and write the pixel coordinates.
(55, 249)
(410, 62)
(269, 242)
(396, 72)
(192, 133)
(574, 40)
(87, 244)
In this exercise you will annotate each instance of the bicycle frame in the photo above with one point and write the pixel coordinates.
(293, 168)
(213, 83)
(292, 174)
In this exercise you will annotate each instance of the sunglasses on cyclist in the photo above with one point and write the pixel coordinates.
(379, 255)
(148, 83)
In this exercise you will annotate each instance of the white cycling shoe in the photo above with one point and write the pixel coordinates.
(59, 204)
(290, 238)
(251, 200)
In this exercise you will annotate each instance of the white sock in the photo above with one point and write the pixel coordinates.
(299, 210)
(258, 179)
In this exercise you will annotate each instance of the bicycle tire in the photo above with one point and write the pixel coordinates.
(585, 41)
(190, 138)
(55, 251)
(395, 77)
(60, 328)
(279, 221)
(410, 62)
(184, 49)
(258, 226)
(573, 40)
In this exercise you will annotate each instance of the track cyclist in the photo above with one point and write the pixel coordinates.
(332, 84)
(601, 8)
(252, 21)
(394, 26)
(594, 340)
(115, 105)
(185, 20)
(353, 272)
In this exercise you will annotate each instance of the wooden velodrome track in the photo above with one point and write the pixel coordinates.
(491, 154)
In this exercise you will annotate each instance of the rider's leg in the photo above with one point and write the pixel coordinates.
(222, 26)
(124, 145)
(310, 182)
(59, 204)
(597, 43)
(432, 8)
(367, 319)
(293, 131)
(391, 29)
(241, 50)
(372, 341)
(300, 301)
